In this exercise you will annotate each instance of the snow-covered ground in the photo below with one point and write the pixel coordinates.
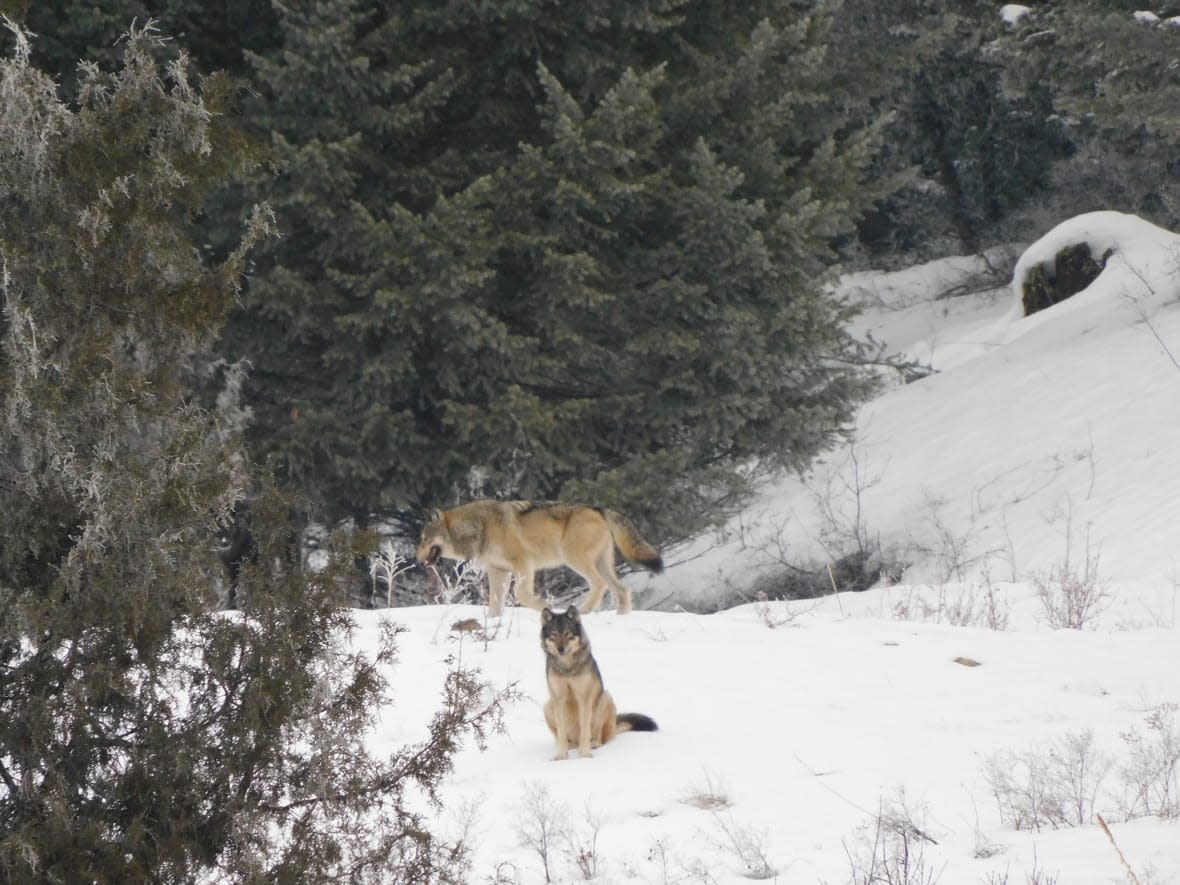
(797, 740)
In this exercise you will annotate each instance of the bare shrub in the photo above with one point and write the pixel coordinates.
(698, 871)
(1019, 784)
(970, 606)
(984, 846)
(772, 616)
(657, 853)
(385, 567)
(1078, 765)
(951, 549)
(1151, 774)
(1035, 876)
(845, 568)
(854, 558)
(1070, 599)
(685, 869)
(582, 845)
(544, 825)
(1052, 788)
(710, 796)
(841, 506)
(937, 605)
(464, 582)
(896, 854)
(996, 608)
(505, 873)
(1038, 876)
(961, 609)
(747, 846)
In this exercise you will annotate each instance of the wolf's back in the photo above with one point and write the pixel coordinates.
(630, 542)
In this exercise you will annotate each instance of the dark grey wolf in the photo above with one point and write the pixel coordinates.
(580, 711)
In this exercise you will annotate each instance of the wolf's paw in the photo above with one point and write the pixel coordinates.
(585, 752)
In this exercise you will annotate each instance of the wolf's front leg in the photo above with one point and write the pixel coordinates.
(585, 715)
(563, 742)
(498, 581)
(525, 594)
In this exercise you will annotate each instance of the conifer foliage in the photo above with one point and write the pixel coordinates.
(142, 736)
(1110, 68)
(561, 249)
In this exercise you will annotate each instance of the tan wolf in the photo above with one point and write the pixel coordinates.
(580, 711)
(515, 538)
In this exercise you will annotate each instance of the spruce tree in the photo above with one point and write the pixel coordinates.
(977, 150)
(568, 249)
(143, 736)
(1113, 80)
(667, 243)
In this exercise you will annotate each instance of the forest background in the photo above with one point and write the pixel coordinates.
(579, 250)
(375, 257)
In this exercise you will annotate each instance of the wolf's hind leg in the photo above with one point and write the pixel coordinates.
(589, 569)
(525, 594)
(600, 575)
(606, 564)
(597, 591)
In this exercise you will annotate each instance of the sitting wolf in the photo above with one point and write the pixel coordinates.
(580, 711)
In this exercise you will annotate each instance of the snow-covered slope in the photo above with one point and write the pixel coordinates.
(1038, 439)
(784, 733)
(942, 706)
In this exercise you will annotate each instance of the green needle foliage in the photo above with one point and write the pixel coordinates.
(565, 249)
(577, 249)
(1113, 78)
(143, 737)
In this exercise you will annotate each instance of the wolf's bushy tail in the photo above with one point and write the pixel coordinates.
(628, 540)
(635, 722)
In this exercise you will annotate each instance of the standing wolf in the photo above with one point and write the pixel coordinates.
(518, 537)
(580, 711)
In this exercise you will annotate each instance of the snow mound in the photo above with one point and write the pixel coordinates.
(1142, 264)
(1011, 13)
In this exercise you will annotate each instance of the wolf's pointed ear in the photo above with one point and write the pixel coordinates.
(572, 613)
(547, 615)
(432, 514)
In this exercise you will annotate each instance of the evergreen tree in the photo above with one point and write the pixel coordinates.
(979, 151)
(216, 35)
(551, 249)
(1113, 79)
(142, 736)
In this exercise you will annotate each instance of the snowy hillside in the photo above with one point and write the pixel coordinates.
(939, 730)
(1037, 439)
